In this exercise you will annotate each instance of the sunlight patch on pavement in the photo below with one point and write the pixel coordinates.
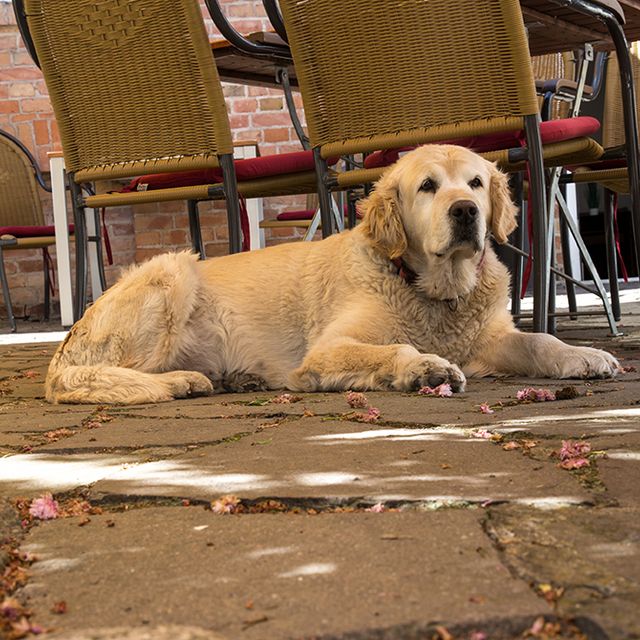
(270, 551)
(394, 435)
(32, 338)
(550, 502)
(166, 473)
(327, 478)
(313, 569)
(623, 455)
(598, 415)
(35, 470)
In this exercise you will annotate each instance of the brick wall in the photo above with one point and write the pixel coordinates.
(255, 113)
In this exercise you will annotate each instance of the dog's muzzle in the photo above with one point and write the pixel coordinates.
(464, 216)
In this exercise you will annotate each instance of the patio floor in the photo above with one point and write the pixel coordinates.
(476, 530)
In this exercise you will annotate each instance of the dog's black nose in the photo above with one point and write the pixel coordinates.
(464, 212)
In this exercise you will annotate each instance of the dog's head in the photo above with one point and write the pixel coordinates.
(435, 207)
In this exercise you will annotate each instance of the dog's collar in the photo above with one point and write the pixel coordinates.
(404, 271)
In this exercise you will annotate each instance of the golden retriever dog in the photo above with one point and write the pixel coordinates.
(413, 296)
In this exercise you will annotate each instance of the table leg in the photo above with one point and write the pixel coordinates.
(93, 231)
(61, 224)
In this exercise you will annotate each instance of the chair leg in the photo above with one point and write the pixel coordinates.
(194, 228)
(232, 202)
(610, 246)
(586, 257)
(99, 252)
(5, 293)
(540, 222)
(518, 240)
(324, 196)
(47, 296)
(80, 233)
(566, 261)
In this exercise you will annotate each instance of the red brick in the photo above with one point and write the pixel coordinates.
(149, 239)
(176, 239)
(234, 90)
(38, 105)
(215, 249)
(21, 73)
(144, 254)
(239, 121)
(22, 58)
(41, 130)
(9, 106)
(20, 89)
(153, 222)
(277, 135)
(271, 119)
(244, 105)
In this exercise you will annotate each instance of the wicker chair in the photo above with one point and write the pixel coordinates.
(135, 91)
(383, 75)
(22, 224)
(612, 172)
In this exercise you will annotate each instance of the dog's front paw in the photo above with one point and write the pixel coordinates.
(585, 362)
(429, 371)
(186, 384)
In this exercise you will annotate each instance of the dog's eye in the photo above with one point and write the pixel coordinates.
(475, 183)
(428, 185)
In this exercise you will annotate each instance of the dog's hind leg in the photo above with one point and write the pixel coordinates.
(102, 383)
(133, 344)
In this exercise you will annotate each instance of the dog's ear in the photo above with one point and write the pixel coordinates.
(503, 210)
(382, 221)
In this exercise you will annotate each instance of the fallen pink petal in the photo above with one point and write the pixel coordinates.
(442, 390)
(574, 449)
(44, 507)
(357, 400)
(372, 415)
(286, 398)
(376, 508)
(574, 463)
(225, 505)
(535, 395)
(485, 408)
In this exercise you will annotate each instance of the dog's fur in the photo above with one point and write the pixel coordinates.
(328, 315)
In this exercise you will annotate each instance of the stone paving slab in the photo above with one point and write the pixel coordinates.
(269, 576)
(121, 434)
(591, 555)
(314, 458)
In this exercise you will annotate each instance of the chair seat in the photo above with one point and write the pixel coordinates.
(30, 231)
(246, 170)
(551, 131)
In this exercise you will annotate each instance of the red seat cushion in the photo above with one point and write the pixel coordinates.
(30, 232)
(246, 169)
(550, 131)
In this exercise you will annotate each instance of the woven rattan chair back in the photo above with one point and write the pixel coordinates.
(19, 201)
(613, 119)
(133, 85)
(389, 72)
(551, 66)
